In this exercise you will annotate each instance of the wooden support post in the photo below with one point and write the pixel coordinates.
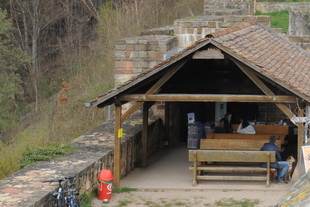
(167, 123)
(144, 134)
(117, 146)
(300, 141)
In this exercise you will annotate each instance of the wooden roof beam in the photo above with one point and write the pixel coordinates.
(263, 87)
(208, 98)
(154, 89)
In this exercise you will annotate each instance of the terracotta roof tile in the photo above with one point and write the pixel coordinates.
(273, 53)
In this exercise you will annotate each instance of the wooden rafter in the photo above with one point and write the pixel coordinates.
(208, 98)
(154, 89)
(264, 88)
(117, 146)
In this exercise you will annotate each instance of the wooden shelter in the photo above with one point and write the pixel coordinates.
(244, 64)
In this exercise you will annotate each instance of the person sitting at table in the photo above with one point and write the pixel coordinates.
(281, 166)
(224, 125)
(245, 127)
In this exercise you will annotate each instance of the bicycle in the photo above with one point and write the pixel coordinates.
(59, 194)
(65, 197)
(71, 198)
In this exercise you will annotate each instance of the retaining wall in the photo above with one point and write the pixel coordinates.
(94, 152)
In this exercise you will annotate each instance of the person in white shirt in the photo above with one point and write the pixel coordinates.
(245, 128)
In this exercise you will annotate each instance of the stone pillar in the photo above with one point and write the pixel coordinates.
(138, 54)
(299, 23)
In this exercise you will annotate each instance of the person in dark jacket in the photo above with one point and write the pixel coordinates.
(281, 166)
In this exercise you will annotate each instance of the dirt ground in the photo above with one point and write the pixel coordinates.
(197, 198)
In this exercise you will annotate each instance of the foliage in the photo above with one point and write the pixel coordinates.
(44, 153)
(123, 190)
(11, 90)
(86, 199)
(82, 74)
(230, 202)
(278, 19)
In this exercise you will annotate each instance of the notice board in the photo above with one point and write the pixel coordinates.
(306, 157)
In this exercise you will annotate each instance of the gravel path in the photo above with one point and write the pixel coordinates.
(197, 198)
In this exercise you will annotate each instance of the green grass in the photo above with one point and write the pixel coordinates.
(86, 199)
(278, 19)
(123, 203)
(123, 190)
(44, 153)
(230, 202)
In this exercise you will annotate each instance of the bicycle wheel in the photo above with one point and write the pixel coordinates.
(61, 201)
(76, 202)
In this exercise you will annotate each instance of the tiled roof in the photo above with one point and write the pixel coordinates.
(285, 62)
(274, 57)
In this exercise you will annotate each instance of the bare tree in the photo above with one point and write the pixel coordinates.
(31, 18)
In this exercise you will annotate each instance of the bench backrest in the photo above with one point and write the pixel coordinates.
(240, 136)
(231, 156)
(234, 144)
(268, 129)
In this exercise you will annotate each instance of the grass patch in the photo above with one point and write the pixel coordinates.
(230, 202)
(124, 203)
(44, 153)
(86, 199)
(180, 204)
(278, 19)
(123, 190)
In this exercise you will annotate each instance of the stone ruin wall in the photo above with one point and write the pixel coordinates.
(299, 25)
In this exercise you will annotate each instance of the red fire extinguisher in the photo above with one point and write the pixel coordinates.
(105, 181)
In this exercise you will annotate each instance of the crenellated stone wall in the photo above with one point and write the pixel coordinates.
(188, 31)
(229, 7)
(268, 7)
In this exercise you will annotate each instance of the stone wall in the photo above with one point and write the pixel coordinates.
(299, 23)
(229, 7)
(190, 30)
(94, 152)
(268, 7)
(301, 41)
(134, 55)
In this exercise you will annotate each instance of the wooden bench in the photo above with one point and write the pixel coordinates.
(277, 130)
(243, 136)
(229, 161)
(234, 144)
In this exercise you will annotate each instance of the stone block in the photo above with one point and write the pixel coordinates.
(212, 24)
(152, 64)
(142, 54)
(153, 47)
(137, 70)
(134, 54)
(123, 71)
(225, 24)
(187, 24)
(131, 41)
(120, 47)
(130, 47)
(120, 42)
(263, 18)
(119, 54)
(120, 64)
(143, 42)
